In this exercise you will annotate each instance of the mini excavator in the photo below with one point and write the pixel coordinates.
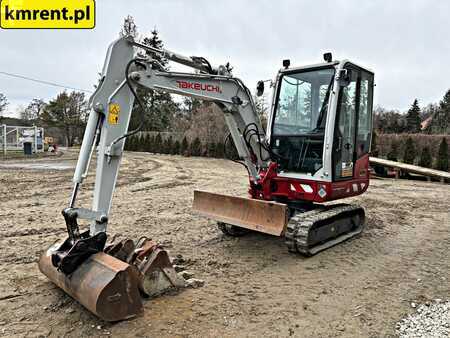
(315, 150)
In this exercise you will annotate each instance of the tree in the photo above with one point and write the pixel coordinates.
(3, 103)
(168, 145)
(33, 110)
(158, 145)
(442, 160)
(219, 150)
(426, 160)
(441, 120)
(129, 143)
(151, 144)
(129, 28)
(146, 143)
(413, 118)
(68, 112)
(262, 109)
(393, 153)
(184, 150)
(159, 106)
(374, 146)
(207, 123)
(410, 151)
(196, 147)
(176, 147)
(211, 149)
(388, 121)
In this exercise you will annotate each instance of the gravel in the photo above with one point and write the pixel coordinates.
(430, 320)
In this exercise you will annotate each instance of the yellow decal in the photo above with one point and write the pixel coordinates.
(16, 14)
(114, 111)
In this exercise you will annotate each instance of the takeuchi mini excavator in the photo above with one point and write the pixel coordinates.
(315, 150)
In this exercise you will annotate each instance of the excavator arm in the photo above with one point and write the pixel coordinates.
(107, 277)
(112, 104)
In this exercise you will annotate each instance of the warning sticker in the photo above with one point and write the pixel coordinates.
(114, 111)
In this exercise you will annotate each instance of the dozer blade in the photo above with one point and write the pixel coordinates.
(103, 284)
(262, 216)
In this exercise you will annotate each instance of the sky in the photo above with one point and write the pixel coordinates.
(404, 42)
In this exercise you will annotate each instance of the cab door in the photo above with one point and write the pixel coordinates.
(345, 128)
(353, 126)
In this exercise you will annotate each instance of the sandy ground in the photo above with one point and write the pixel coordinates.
(254, 287)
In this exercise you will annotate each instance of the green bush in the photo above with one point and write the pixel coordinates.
(196, 147)
(425, 158)
(176, 147)
(184, 149)
(442, 159)
(393, 153)
(410, 151)
(158, 144)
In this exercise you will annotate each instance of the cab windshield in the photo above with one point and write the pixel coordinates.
(303, 102)
(299, 123)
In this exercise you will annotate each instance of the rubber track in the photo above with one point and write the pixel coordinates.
(300, 225)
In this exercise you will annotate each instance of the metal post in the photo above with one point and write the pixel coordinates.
(4, 139)
(35, 140)
(17, 137)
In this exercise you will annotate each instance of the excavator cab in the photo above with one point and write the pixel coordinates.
(319, 108)
(318, 140)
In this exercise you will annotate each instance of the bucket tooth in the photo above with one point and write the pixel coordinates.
(103, 284)
(262, 216)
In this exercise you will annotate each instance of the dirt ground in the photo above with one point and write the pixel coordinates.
(254, 287)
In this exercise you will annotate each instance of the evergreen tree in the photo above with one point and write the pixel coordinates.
(176, 147)
(211, 149)
(442, 160)
(184, 150)
(196, 147)
(127, 144)
(132, 140)
(219, 150)
(151, 144)
(135, 143)
(158, 145)
(413, 118)
(393, 153)
(3, 103)
(425, 158)
(169, 145)
(410, 151)
(230, 151)
(159, 106)
(374, 146)
(441, 120)
(147, 143)
(141, 143)
(129, 28)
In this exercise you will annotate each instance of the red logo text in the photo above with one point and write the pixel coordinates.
(198, 86)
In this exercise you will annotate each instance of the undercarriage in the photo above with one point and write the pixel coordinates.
(314, 227)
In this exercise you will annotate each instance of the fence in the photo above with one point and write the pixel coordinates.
(12, 138)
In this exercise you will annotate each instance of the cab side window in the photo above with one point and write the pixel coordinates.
(364, 131)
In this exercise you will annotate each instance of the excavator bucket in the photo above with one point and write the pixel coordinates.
(158, 273)
(103, 284)
(110, 283)
(262, 216)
